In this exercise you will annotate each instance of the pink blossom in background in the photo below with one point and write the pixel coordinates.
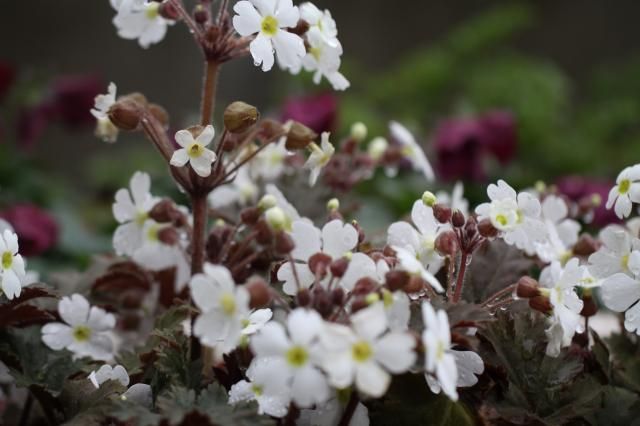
(579, 188)
(318, 112)
(37, 230)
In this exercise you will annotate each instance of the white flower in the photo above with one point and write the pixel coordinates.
(517, 216)
(456, 201)
(468, 363)
(336, 239)
(242, 190)
(139, 393)
(193, 151)
(366, 353)
(361, 266)
(420, 242)
(131, 210)
(320, 156)
(255, 321)
(614, 255)
(86, 332)
(223, 306)
(106, 372)
(411, 150)
(270, 20)
(140, 20)
(281, 201)
(330, 414)
(322, 27)
(397, 309)
(408, 262)
(294, 354)
(439, 358)
(562, 233)
(559, 286)
(620, 292)
(269, 164)
(626, 192)
(267, 386)
(12, 272)
(105, 129)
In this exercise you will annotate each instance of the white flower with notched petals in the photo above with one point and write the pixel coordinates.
(516, 216)
(267, 386)
(361, 266)
(335, 240)
(194, 151)
(366, 353)
(420, 241)
(559, 285)
(330, 414)
(562, 232)
(469, 366)
(439, 359)
(224, 308)
(105, 129)
(614, 255)
(107, 372)
(411, 150)
(131, 210)
(12, 272)
(620, 292)
(242, 191)
(626, 192)
(407, 261)
(85, 331)
(320, 157)
(140, 20)
(294, 354)
(269, 19)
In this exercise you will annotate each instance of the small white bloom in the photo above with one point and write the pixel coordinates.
(469, 365)
(439, 358)
(324, 61)
(269, 19)
(614, 255)
(517, 216)
(320, 157)
(106, 372)
(411, 150)
(562, 232)
(105, 129)
(12, 271)
(410, 263)
(140, 20)
(270, 163)
(625, 192)
(242, 190)
(224, 308)
(322, 27)
(255, 321)
(193, 151)
(366, 353)
(85, 330)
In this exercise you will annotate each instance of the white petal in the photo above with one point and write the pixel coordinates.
(372, 380)
(140, 393)
(179, 157)
(57, 335)
(307, 239)
(202, 164)
(370, 322)
(309, 387)
(303, 325)
(620, 291)
(338, 238)
(74, 310)
(395, 351)
(207, 135)
(447, 374)
(262, 52)
(289, 48)
(247, 21)
(469, 364)
(184, 138)
(270, 341)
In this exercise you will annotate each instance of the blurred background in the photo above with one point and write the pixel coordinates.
(528, 91)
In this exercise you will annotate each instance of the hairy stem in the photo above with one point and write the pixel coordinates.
(460, 280)
(210, 83)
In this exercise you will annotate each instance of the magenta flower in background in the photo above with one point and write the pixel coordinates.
(37, 230)
(462, 144)
(318, 112)
(7, 77)
(581, 189)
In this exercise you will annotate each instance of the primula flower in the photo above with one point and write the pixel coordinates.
(12, 273)
(105, 129)
(439, 359)
(107, 372)
(320, 156)
(193, 151)
(294, 354)
(270, 163)
(322, 27)
(242, 191)
(517, 216)
(613, 256)
(411, 150)
(223, 305)
(562, 232)
(468, 363)
(407, 261)
(625, 192)
(85, 331)
(323, 59)
(620, 292)
(269, 19)
(36, 228)
(365, 353)
(140, 20)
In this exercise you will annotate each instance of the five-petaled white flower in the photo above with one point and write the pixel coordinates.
(12, 272)
(294, 354)
(614, 254)
(224, 308)
(193, 151)
(366, 353)
(411, 150)
(140, 20)
(625, 192)
(105, 129)
(107, 372)
(320, 156)
(85, 331)
(407, 261)
(620, 292)
(269, 19)
(516, 216)
(439, 358)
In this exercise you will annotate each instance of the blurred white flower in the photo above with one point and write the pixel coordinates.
(12, 270)
(107, 372)
(620, 292)
(140, 20)
(320, 157)
(469, 365)
(411, 150)
(330, 414)
(439, 358)
(613, 256)
(562, 232)
(105, 129)
(194, 151)
(625, 192)
(242, 191)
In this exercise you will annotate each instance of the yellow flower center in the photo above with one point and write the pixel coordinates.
(269, 25)
(387, 298)
(297, 356)
(315, 52)
(440, 349)
(141, 218)
(81, 333)
(195, 150)
(257, 390)
(361, 351)
(152, 233)
(502, 219)
(7, 260)
(624, 262)
(228, 304)
(153, 10)
(623, 186)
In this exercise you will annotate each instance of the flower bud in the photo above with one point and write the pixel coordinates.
(429, 199)
(267, 202)
(471, 228)
(284, 243)
(457, 219)
(130, 321)
(240, 117)
(541, 304)
(169, 11)
(264, 234)
(339, 266)
(322, 302)
(486, 229)
(159, 114)
(276, 218)
(168, 236)
(585, 246)
(259, 293)
(359, 131)
(301, 28)
(333, 204)
(442, 213)
(415, 285)
(364, 286)
(590, 307)
(446, 243)
(303, 298)
(396, 279)
(318, 264)
(299, 136)
(125, 114)
(201, 14)
(132, 300)
(250, 215)
(527, 288)
(377, 147)
(337, 296)
(358, 304)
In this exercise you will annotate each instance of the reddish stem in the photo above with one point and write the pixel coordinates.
(460, 280)
(209, 91)
(199, 207)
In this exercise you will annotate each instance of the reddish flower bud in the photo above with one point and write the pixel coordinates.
(301, 28)
(159, 113)
(299, 136)
(527, 288)
(169, 11)
(457, 219)
(201, 14)
(168, 235)
(318, 264)
(446, 243)
(358, 304)
(471, 228)
(259, 292)
(585, 246)
(250, 215)
(337, 296)
(339, 266)
(322, 302)
(264, 234)
(590, 307)
(130, 321)
(541, 304)
(486, 229)
(284, 243)
(396, 279)
(415, 285)
(165, 211)
(303, 298)
(364, 286)
(442, 213)
(125, 114)
(132, 300)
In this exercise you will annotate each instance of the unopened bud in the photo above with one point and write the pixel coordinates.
(415, 285)
(168, 236)
(585, 246)
(339, 266)
(264, 234)
(200, 14)
(442, 213)
(333, 204)
(240, 117)
(446, 243)
(429, 199)
(125, 114)
(259, 293)
(250, 215)
(364, 286)
(471, 227)
(527, 288)
(132, 300)
(276, 218)
(596, 200)
(540, 187)
(322, 302)
(377, 147)
(169, 11)
(358, 304)
(303, 297)
(284, 243)
(359, 131)
(457, 219)
(589, 307)
(337, 296)
(299, 136)
(318, 264)
(396, 279)
(486, 229)
(301, 28)
(267, 202)
(541, 304)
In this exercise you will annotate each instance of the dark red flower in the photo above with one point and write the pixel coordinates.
(72, 97)
(32, 122)
(7, 77)
(318, 112)
(581, 190)
(37, 230)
